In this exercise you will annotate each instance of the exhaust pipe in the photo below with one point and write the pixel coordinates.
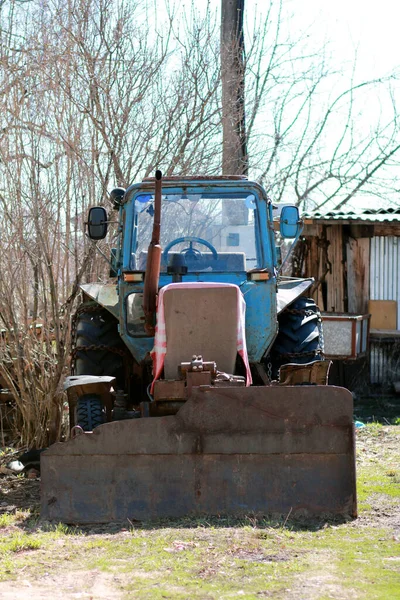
(152, 274)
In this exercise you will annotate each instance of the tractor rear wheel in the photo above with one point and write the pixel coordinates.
(300, 337)
(89, 412)
(98, 349)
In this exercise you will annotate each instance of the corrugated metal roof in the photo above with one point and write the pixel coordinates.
(365, 214)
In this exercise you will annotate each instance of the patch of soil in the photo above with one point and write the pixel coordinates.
(261, 557)
(89, 585)
(19, 493)
(324, 584)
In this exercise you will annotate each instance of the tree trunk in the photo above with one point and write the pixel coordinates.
(234, 152)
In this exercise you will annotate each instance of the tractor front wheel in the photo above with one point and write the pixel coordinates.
(89, 412)
(300, 338)
(99, 349)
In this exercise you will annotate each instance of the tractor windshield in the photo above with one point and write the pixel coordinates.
(201, 231)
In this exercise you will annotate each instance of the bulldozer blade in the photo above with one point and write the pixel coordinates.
(235, 451)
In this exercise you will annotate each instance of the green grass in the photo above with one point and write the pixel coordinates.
(19, 543)
(212, 562)
(364, 557)
(197, 562)
(6, 520)
(378, 469)
(378, 481)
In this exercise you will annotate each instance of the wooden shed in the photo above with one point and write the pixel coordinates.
(354, 257)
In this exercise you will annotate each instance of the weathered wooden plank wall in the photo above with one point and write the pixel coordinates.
(358, 260)
(339, 254)
(335, 278)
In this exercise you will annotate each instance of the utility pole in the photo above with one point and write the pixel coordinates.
(234, 152)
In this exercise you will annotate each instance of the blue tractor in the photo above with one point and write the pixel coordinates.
(198, 385)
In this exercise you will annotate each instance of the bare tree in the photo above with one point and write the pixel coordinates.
(315, 136)
(94, 95)
(90, 99)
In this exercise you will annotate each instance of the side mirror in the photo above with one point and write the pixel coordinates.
(97, 223)
(290, 223)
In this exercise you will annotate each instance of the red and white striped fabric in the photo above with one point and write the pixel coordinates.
(160, 340)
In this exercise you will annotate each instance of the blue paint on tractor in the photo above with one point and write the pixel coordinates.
(221, 230)
(260, 296)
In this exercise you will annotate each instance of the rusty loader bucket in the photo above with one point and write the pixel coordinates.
(236, 451)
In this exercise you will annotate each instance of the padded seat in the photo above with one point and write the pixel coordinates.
(199, 318)
(200, 321)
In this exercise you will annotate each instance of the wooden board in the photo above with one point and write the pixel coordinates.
(358, 275)
(335, 278)
(383, 314)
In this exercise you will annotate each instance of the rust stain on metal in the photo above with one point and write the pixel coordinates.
(227, 451)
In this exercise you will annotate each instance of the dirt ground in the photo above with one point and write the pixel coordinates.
(70, 580)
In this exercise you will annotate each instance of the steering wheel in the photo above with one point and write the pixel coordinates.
(189, 251)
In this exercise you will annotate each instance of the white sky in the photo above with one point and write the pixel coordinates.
(370, 28)
(360, 30)
(363, 30)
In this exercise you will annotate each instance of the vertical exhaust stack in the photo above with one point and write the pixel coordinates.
(153, 263)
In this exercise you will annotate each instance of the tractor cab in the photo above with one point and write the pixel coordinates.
(203, 232)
